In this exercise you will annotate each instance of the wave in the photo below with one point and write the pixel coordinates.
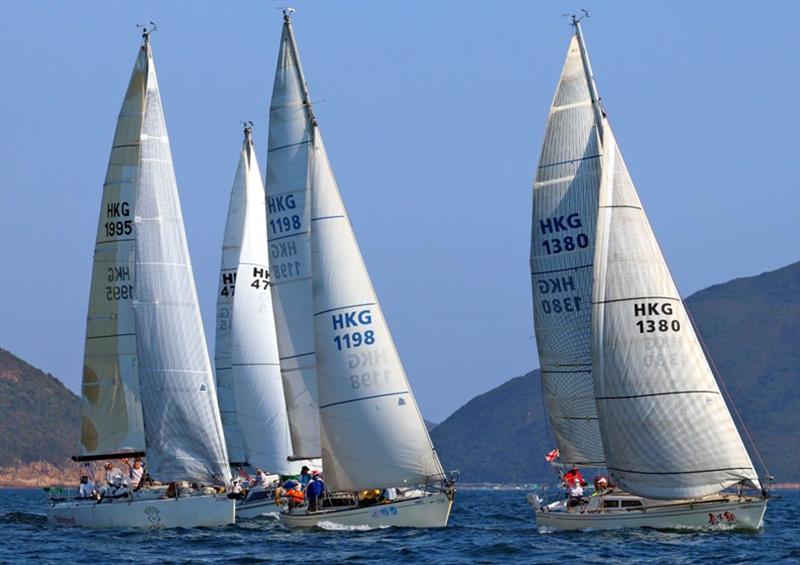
(23, 518)
(331, 526)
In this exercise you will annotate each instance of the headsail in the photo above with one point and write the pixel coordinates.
(179, 401)
(247, 331)
(562, 256)
(288, 215)
(667, 431)
(372, 432)
(111, 412)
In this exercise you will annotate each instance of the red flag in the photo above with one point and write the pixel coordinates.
(550, 457)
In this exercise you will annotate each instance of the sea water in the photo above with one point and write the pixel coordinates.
(486, 526)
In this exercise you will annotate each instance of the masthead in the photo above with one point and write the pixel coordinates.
(146, 32)
(287, 13)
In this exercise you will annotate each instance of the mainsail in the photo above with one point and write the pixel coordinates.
(182, 425)
(111, 413)
(289, 230)
(562, 257)
(246, 335)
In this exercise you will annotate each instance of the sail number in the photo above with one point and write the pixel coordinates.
(285, 224)
(117, 291)
(353, 339)
(557, 285)
(556, 224)
(655, 309)
(369, 379)
(114, 227)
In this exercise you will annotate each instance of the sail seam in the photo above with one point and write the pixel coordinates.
(272, 239)
(254, 364)
(569, 106)
(124, 145)
(298, 355)
(568, 161)
(566, 372)
(115, 240)
(561, 270)
(364, 398)
(656, 394)
(540, 184)
(621, 206)
(680, 472)
(637, 298)
(344, 308)
(327, 218)
(109, 335)
(290, 145)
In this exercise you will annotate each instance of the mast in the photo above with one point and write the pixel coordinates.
(599, 114)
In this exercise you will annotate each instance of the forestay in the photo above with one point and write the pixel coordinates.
(288, 221)
(373, 435)
(179, 401)
(562, 256)
(255, 366)
(111, 414)
(667, 431)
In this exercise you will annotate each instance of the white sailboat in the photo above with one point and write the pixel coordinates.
(626, 383)
(372, 433)
(147, 384)
(247, 362)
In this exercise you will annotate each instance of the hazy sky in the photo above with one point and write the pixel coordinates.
(433, 116)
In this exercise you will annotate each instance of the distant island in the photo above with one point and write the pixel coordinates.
(751, 327)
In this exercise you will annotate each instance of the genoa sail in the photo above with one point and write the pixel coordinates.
(667, 431)
(373, 435)
(111, 412)
(182, 425)
(562, 256)
(289, 232)
(247, 329)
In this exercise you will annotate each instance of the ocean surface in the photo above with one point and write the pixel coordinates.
(486, 526)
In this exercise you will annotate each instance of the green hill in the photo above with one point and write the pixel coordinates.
(38, 415)
(751, 326)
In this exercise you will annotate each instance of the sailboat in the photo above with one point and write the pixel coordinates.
(625, 380)
(246, 355)
(372, 435)
(147, 385)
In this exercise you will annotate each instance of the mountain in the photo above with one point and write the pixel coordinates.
(750, 326)
(38, 424)
(429, 425)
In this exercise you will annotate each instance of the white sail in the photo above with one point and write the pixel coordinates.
(231, 248)
(666, 429)
(179, 401)
(246, 329)
(111, 413)
(562, 256)
(288, 221)
(373, 435)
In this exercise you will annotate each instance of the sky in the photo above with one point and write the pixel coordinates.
(433, 116)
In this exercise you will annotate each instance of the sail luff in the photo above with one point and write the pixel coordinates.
(562, 254)
(289, 229)
(111, 413)
(179, 402)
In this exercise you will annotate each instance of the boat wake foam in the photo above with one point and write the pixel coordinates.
(331, 526)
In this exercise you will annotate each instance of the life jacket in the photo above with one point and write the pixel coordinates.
(296, 495)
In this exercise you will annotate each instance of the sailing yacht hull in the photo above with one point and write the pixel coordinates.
(254, 509)
(183, 512)
(717, 513)
(430, 511)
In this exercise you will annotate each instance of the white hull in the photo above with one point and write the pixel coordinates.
(245, 510)
(721, 512)
(429, 511)
(156, 513)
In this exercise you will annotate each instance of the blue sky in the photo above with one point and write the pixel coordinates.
(433, 115)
